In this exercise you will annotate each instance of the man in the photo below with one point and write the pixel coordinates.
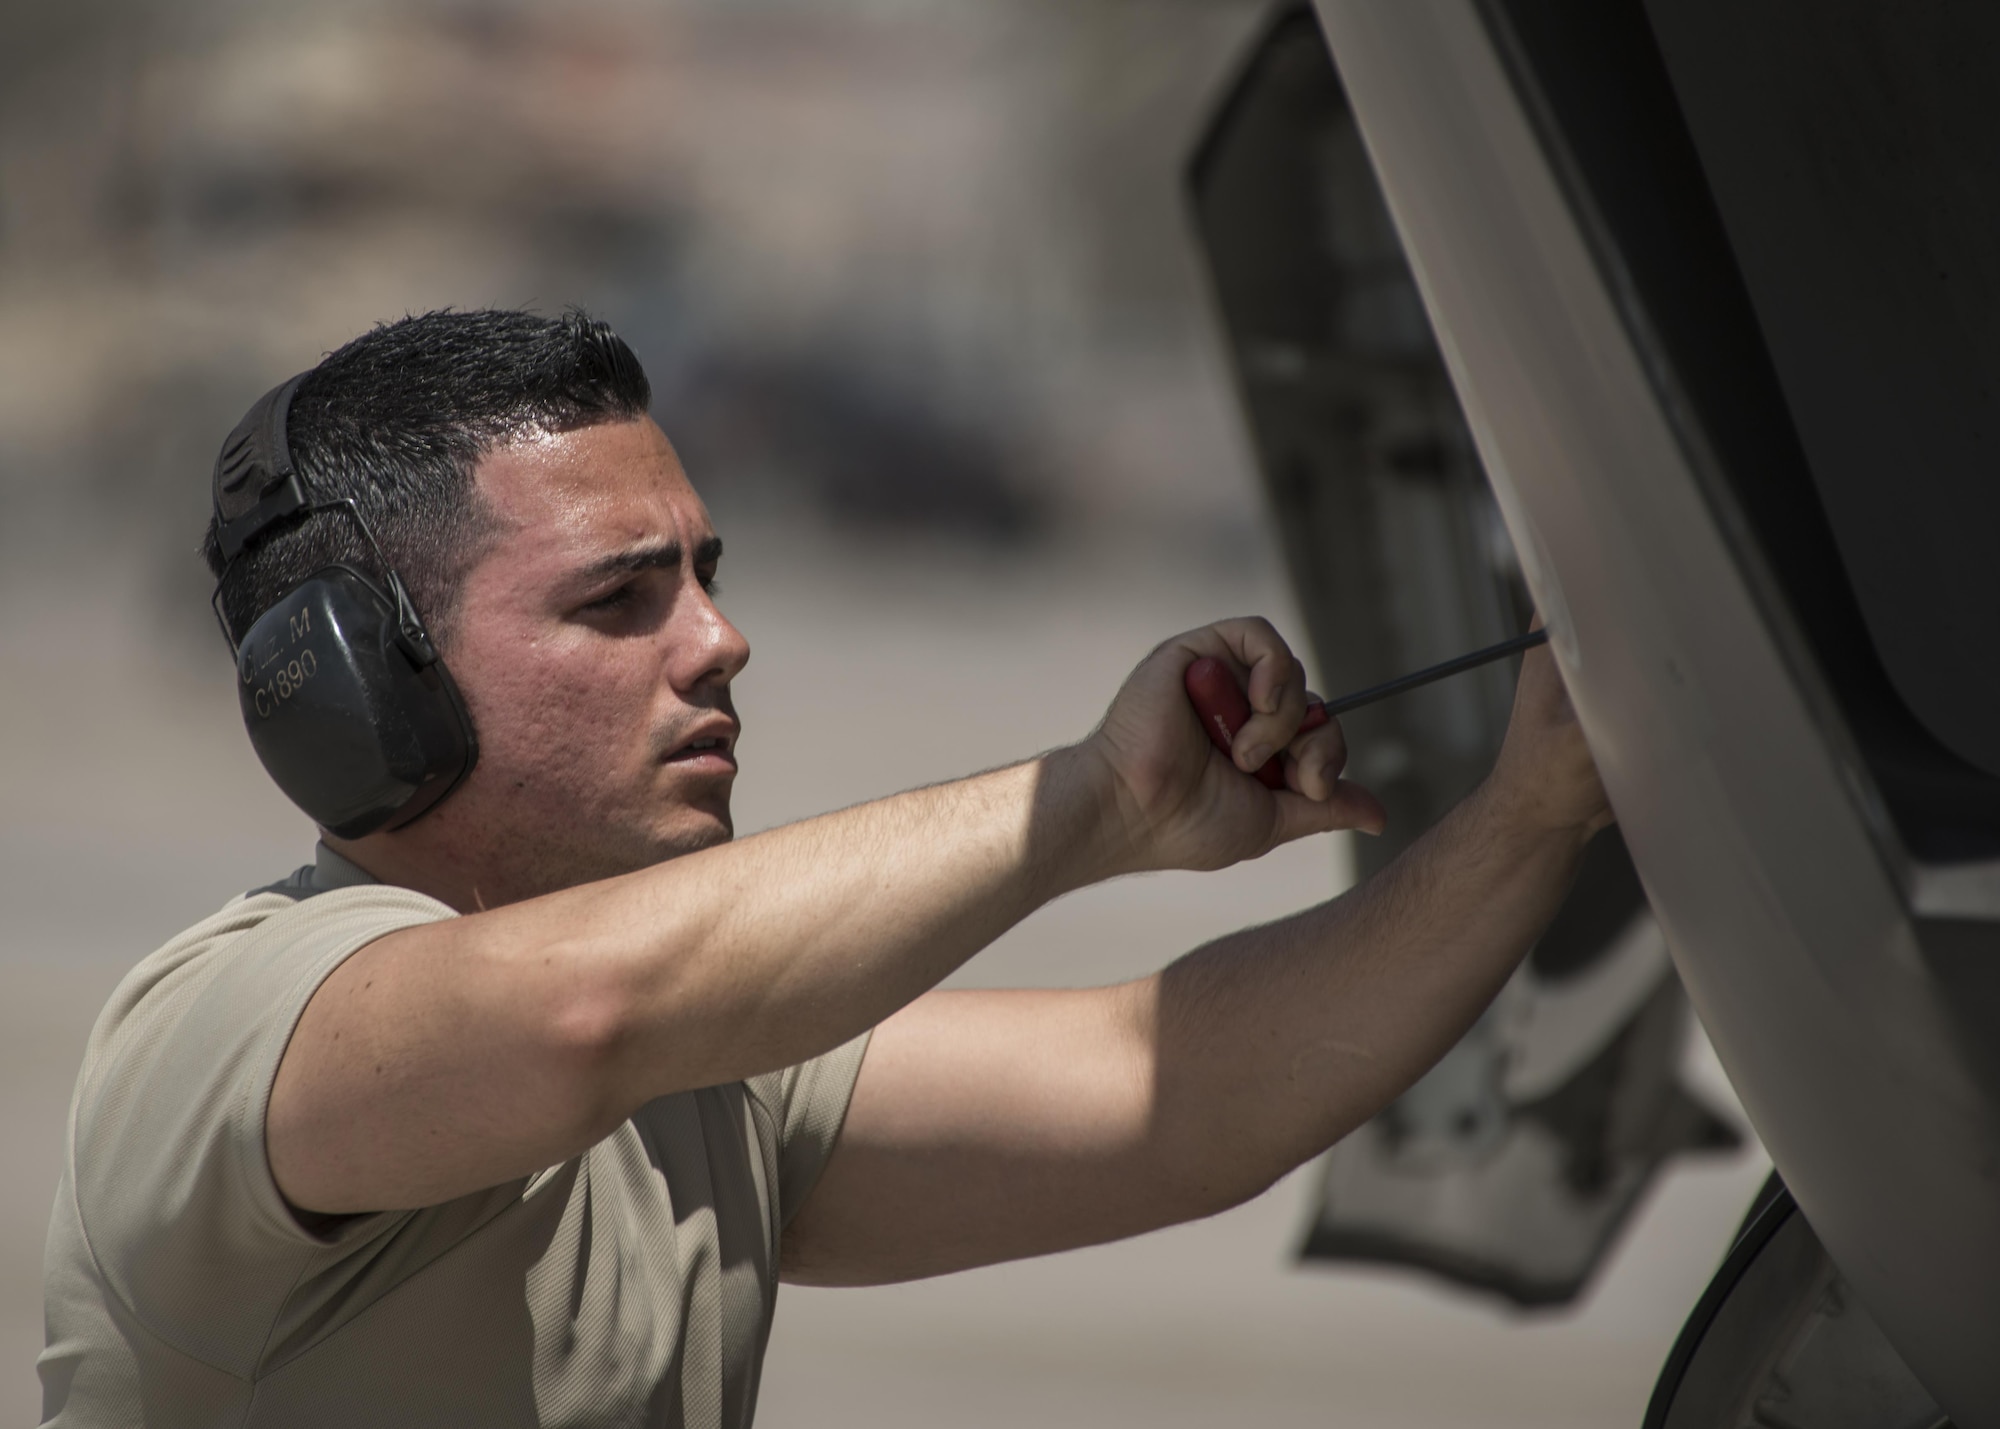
(517, 1113)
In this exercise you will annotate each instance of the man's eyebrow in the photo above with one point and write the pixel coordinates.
(661, 555)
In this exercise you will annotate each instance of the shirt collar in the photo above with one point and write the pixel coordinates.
(331, 871)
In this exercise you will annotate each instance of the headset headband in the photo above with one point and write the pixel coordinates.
(255, 485)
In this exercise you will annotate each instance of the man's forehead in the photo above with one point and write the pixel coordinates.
(596, 490)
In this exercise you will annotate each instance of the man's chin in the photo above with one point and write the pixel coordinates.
(691, 834)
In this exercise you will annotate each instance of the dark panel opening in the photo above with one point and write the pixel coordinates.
(1851, 147)
(1595, 80)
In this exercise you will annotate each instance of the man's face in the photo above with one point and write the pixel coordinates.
(595, 666)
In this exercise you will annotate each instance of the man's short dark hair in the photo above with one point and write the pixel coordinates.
(398, 419)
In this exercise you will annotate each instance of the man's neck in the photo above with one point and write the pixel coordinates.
(409, 864)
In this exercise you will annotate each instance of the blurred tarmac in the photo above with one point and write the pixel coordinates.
(131, 806)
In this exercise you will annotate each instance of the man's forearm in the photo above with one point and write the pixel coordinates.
(1273, 1043)
(460, 1053)
(760, 953)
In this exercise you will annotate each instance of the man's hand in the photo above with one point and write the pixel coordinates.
(1544, 780)
(1178, 801)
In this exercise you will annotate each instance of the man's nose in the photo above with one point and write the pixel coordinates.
(707, 648)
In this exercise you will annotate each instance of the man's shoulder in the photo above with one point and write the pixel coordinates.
(288, 920)
(253, 953)
(165, 1148)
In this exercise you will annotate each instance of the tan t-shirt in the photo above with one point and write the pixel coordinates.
(631, 1286)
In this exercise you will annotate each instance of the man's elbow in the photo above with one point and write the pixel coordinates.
(590, 1034)
(1201, 1171)
(1222, 1185)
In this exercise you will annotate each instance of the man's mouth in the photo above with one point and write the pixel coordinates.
(711, 751)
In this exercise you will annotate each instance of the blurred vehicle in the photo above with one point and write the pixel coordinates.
(1681, 319)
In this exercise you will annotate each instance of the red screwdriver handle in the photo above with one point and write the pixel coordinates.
(1224, 709)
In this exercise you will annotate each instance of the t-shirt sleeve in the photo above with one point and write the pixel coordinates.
(174, 1189)
(810, 1104)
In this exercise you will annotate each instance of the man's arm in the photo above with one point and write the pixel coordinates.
(992, 1125)
(444, 1058)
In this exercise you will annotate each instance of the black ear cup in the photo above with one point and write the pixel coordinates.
(359, 723)
(346, 701)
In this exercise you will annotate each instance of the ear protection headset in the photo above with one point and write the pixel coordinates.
(347, 703)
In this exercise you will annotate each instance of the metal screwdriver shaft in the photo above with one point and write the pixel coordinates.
(1419, 678)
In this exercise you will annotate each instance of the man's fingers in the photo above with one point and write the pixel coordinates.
(1272, 680)
(1349, 807)
(1265, 734)
(1317, 799)
(1270, 663)
(1317, 757)
(1358, 808)
(1276, 686)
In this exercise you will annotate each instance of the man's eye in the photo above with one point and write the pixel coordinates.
(711, 583)
(616, 600)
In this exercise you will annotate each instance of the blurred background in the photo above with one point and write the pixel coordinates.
(914, 284)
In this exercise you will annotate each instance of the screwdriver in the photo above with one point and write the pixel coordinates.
(1224, 709)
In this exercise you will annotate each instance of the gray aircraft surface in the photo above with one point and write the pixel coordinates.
(1678, 320)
